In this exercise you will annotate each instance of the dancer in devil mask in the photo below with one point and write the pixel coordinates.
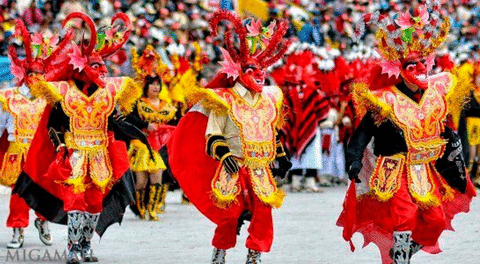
(20, 118)
(86, 169)
(407, 197)
(230, 140)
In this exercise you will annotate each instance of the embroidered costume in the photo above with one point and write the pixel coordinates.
(86, 167)
(224, 166)
(20, 117)
(405, 193)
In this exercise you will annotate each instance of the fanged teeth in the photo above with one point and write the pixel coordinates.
(422, 77)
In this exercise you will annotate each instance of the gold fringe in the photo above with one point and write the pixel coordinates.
(276, 199)
(140, 159)
(42, 89)
(458, 95)
(77, 184)
(129, 93)
(222, 201)
(427, 201)
(367, 101)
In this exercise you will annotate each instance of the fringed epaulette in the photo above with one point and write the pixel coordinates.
(208, 98)
(366, 101)
(129, 92)
(42, 89)
(458, 95)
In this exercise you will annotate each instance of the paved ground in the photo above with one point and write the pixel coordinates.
(305, 233)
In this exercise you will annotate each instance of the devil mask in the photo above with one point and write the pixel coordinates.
(258, 49)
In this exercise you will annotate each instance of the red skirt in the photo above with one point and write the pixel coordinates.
(377, 220)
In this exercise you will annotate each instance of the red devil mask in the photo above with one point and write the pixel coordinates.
(259, 48)
(25, 69)
(86, 64)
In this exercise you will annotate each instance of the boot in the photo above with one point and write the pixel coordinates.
(43, 231)
(253, 257)
(17, 239)
(218, 256)
(414, 248)
(163, 195)
(89, 226)
(311, 185)
(296, 183)
(185, 199)
(74, 225)
(401, 247)
(140, 201)
(153, 201)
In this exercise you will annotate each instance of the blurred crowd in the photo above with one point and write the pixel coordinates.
(173, 26)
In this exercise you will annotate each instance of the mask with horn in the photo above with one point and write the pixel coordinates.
(37, 62)
(85, 62)
(260, 47)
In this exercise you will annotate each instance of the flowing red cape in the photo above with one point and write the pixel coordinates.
(47, 170)
(192, 167)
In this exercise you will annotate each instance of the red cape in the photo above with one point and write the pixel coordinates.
(45, 169)
(192, 167)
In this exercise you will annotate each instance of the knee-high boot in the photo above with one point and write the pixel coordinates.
(140, 202)
(90, 223)
(74, 225)
(163, 195)
(153, 201)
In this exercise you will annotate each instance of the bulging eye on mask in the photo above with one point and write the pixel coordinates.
(252, 77)
(414, 71)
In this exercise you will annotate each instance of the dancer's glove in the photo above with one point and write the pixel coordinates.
(284, 165)
(354, 171)
(218, 149)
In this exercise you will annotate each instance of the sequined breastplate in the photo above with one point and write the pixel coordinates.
(160, 115)
(27, 114)
(421, 123)
(88, 116)
(256, 125)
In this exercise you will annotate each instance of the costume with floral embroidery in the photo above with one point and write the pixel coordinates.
(224, 166)
(406, 193)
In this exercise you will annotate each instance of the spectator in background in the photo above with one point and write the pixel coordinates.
(32, 16)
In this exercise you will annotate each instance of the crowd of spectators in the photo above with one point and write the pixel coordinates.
(173, 26)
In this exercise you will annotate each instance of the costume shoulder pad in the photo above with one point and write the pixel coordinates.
(52, 92)
(126, 91)
(369, 101)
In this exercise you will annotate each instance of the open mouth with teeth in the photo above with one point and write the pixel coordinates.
(259, 81)
(421, 77)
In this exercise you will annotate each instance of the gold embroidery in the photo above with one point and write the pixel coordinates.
(225, 187)
(265, 188)
(256, 127)
(88, 135)
(386, 178)
(26, 114)
(12, 163)
(420, 184)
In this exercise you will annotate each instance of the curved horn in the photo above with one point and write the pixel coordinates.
(275, 41)
(111, 49)
(239, 28)
(12, 51)
(230, 47)
(66, 40)
(27, 42)
(91, 26)
(283, 48)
